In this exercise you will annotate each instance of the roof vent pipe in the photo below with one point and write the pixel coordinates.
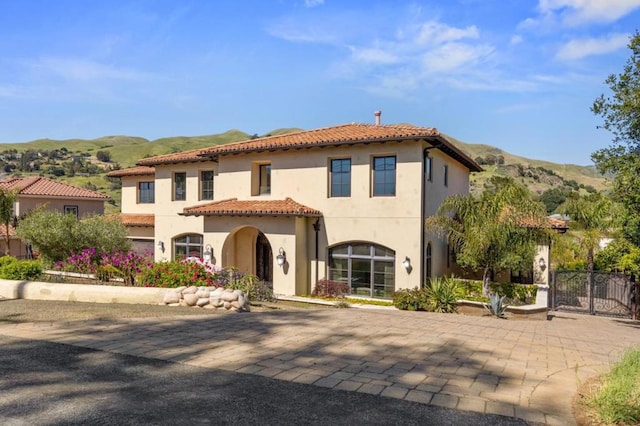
(377, 114)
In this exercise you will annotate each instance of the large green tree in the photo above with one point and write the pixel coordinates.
(7, 198)
(56, 235)
(620, 111)
(594, 215)
(495, 231)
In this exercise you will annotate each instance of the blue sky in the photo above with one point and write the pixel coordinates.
(517, 74)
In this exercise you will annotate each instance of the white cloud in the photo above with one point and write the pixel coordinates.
(84, 70)
(313, 3)
(374, 56)
(455, 56)
(583, 47)
(432, 33)
(516, 39)
(572, 13)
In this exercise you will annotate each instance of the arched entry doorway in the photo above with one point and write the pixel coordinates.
(249, 250)
(264, 259)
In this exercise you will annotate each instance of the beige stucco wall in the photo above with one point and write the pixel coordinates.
(85, 207)
(391, 221)
(129, 198)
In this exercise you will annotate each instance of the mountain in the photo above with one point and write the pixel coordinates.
(76, 161)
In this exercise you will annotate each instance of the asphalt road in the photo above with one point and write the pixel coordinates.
(44, 383)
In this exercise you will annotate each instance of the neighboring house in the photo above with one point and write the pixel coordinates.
(35, 191)
(346, 203)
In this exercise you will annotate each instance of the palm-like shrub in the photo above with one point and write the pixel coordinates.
(443, 295)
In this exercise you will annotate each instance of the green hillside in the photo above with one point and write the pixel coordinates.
(125, 151)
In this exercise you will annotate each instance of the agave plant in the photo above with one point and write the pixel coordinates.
(497, 306)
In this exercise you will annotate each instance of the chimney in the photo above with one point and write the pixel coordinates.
(377, 114)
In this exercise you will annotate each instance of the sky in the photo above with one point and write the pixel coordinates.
(517, 74)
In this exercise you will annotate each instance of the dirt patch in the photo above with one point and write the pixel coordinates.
(22, 310)
(583, 413)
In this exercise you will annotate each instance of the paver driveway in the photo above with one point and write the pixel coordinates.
(525, 369)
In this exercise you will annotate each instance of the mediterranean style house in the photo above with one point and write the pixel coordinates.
(346, 203)
(36, 191)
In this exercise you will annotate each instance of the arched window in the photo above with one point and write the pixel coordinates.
(189, 245)
(368, 268)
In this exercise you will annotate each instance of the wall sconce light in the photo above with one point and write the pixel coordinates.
(281, 257)
(208, 253)
(160, 246)
(407, 264)
(542, 264)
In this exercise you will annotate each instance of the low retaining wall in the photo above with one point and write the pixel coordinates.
(37, 290)
(528, 312)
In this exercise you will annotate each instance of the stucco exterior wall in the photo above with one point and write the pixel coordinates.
(85, 207)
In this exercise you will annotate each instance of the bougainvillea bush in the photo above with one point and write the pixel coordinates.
(126, 265)
(177, 273)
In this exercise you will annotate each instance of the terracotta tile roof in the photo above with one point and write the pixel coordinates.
(346, 134)
(234, 207)
(553, 223)
(133, 171)
(128, 219)
(12, 231)
(178, 157)
(39, 186)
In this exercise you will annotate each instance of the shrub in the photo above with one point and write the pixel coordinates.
(21, 270)
(329, 288)
(416, 299)
(496, 305)
(177, 273)
(516, 293)
(443, 295)
(250, 285)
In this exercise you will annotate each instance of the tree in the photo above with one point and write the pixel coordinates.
(621, 114)
(494, 232)
(104, 156)
(593, 215)
(65, 234)
(7, 198)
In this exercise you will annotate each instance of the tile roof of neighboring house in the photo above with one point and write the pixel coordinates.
(39, 186)
(190, 156)
(553, 223)
(12, 231)
(234, 207)
(346, 134)
(128, 219)
(133, 171)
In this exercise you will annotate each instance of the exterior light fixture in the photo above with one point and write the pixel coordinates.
(160, 246)
(542, 264)
(208, 253)
(281, 257)
(407, 264)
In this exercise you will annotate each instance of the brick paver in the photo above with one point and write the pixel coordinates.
(526, 369)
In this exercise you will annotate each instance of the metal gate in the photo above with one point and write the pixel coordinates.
(596, 293)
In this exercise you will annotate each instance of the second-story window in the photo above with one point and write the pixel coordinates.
(446, 175)
(71, 210)
(265, 179)
(384, 176)
(428, 165)
(206, 185)
(341, 177)
(179, 186)
(146, 193)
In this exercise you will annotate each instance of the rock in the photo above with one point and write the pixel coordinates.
(217, 292)
(229, 296)
(183, 303)
(190, 299)
(174, 304)
(171, 297)
(202, 293)
(247, 307)
(208, 306)
(202, 301)
(238, 292)
(190, 290)
(236, 305)
(227, 305)
(241, 300)
(215, 301)
(179, 289)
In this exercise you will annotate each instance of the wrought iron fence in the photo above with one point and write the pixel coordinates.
(595, 293)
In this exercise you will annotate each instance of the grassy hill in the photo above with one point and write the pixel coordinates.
(537, 175)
